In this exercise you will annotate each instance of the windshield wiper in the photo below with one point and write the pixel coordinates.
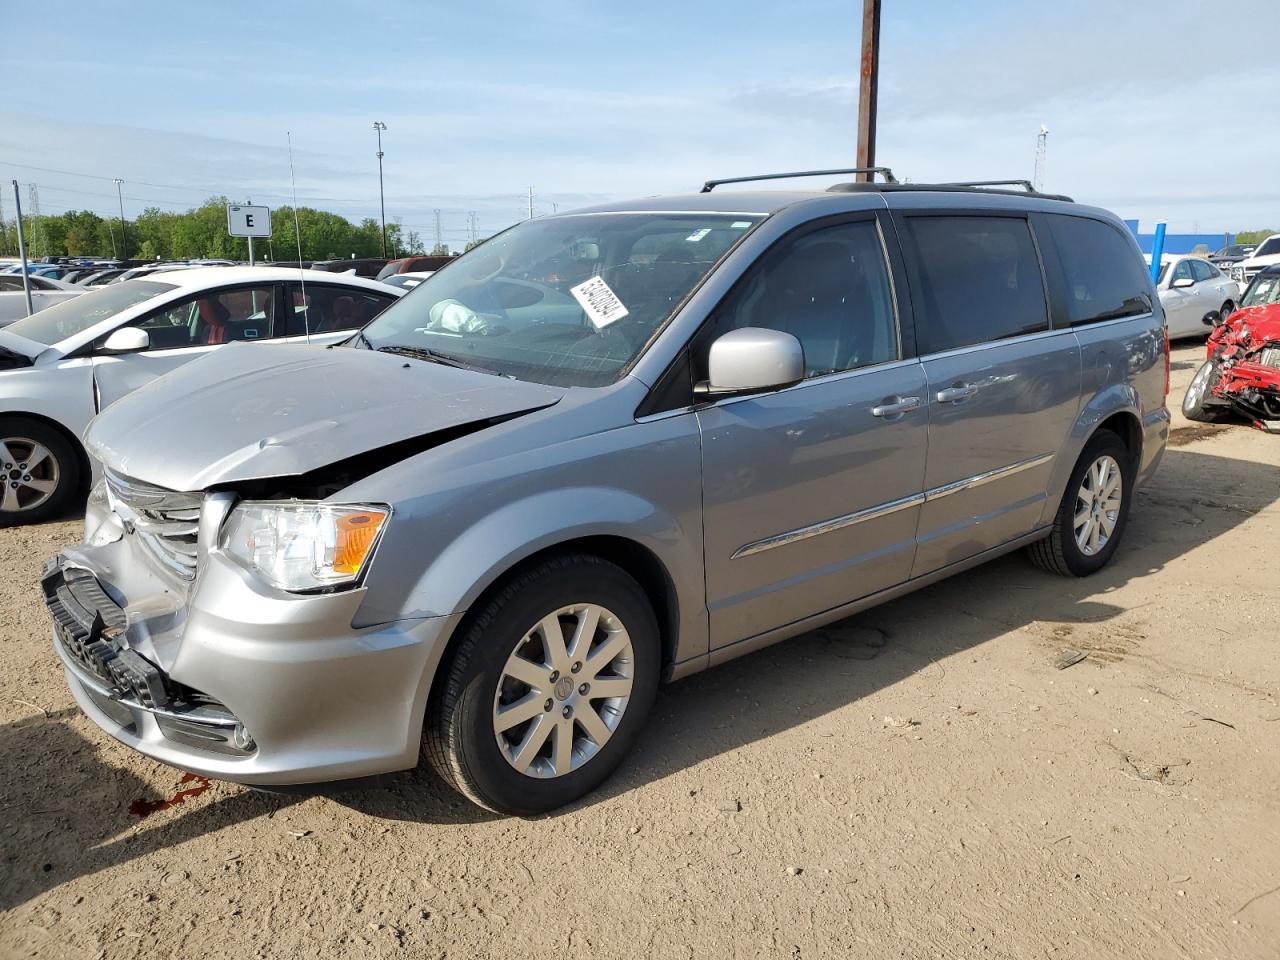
(425, 353)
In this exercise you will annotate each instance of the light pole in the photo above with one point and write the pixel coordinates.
(124, 234)
(379, 126)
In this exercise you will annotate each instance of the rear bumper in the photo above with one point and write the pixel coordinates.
(241, 685)
(1155, 438)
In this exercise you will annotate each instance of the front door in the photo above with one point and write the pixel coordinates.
(811, 494)
(183, 331)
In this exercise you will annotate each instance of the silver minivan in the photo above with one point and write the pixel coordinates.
(603, 449)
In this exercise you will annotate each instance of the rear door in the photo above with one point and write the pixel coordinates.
(1003, 387)
(182, 331)
(811, 494)
(327, 313)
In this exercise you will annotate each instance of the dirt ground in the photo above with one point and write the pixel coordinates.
(921, 782)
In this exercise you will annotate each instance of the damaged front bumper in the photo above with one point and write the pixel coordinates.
(234, 681)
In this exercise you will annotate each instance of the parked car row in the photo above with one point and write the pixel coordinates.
(1192, 289)
(608, 447)
(63, 365)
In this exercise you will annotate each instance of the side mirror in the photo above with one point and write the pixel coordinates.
(751, 360)
(1183, 282)
(127, 340)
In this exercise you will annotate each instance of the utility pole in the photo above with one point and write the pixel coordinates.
(124, 234)
(379, 126)
(868, 85)
(22, 247)
(531, 203)
(1042, 158)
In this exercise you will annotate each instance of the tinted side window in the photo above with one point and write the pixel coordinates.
(1105, 277)
(214, 317)
(1182, 271)
(830, 289)
(980, 280)
(1202, 271)
(320, 308)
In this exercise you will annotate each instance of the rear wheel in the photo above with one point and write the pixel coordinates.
(1199, 403)
(1226, 310)
(1094, 510)
(39, 471)
(548, 688)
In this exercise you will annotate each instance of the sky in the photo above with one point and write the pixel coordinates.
(1152, 107)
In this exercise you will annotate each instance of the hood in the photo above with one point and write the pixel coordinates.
(259, 411)
(1262, 322)
(1250, 263)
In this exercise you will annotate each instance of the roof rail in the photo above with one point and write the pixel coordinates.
(883, 171)
(1025, 184)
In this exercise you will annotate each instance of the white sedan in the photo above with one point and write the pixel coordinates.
(44, 293)
(61, 366)
(1190, 289)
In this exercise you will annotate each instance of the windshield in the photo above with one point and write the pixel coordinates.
(569, 300)
(1268, 249)
(70, 317)
(1265, 289)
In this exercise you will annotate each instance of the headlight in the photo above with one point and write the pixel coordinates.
(303, 545)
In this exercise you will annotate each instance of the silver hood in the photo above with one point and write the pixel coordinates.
(257, 411)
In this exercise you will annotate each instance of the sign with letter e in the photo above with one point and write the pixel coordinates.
(245, 221)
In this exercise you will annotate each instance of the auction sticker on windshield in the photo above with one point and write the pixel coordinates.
(601, 304)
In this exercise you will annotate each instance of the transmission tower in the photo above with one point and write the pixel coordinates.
(439, 236)
(39, 242)
(4, 228)
(1042, 156)
(471, 225)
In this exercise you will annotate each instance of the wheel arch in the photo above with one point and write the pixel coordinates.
(82, 455)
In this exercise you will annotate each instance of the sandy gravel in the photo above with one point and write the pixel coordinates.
(920, 783)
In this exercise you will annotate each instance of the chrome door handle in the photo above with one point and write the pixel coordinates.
(956, 393)
(896, 406)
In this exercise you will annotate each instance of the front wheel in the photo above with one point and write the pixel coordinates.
(1199, 403)
(39, 471)
(1093, 513)
(547, 689)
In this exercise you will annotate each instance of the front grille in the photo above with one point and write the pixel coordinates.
(1270, 357)
(165, 522)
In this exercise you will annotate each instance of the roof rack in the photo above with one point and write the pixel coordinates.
(883, 171)
(1024, 188)
(1025, 184)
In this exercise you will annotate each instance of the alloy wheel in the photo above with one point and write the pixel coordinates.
(29, 473)
(1098, 505)
(563, 690)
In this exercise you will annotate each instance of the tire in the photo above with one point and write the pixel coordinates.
(1199, 402)
(39, 469)
(508, 632)
(1060, 552)
(1226, 310)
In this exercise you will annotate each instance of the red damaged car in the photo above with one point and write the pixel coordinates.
(1242, 372)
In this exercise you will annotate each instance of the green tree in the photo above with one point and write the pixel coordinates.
(1252, 236)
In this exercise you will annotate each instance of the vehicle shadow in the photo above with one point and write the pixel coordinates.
(804, 678)
(67, 812)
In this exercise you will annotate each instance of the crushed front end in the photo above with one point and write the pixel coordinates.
(1246, 349)
(182, 653)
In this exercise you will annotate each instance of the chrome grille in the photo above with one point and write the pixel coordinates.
(164, 521)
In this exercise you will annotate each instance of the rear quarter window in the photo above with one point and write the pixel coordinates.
(1105, 278)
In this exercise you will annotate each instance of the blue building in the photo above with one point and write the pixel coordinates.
(1182, 242)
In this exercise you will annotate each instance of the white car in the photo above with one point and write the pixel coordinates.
(1190, 289)
(61, 366)
(1266, 254)
(44, 293)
